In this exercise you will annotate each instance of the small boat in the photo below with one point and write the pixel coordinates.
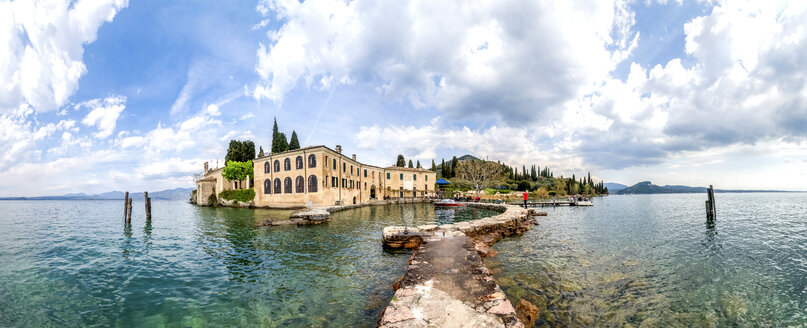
(447, 203)
(584, 202)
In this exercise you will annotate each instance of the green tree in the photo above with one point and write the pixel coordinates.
(418, 165)
(240, 151)
(454, 163)
(434, 167)
(443, 172)
(294, 143)
(275, 139)
(232, 151)
(401, 161)
(282, 143)
(410, 164)
(247, 151)
(237, 171)
(260, 153)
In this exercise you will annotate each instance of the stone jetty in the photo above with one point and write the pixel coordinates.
(446, 283)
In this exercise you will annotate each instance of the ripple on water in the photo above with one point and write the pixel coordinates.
(73, 263)
(651, 260)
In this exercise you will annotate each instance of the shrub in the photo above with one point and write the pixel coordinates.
(241, 195)
(212, 200)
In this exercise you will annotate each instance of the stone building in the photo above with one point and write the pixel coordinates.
(211, 183)
(320, 176)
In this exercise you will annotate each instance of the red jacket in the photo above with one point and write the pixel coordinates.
(525, 195)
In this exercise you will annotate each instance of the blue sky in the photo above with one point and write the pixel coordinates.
(136, 95)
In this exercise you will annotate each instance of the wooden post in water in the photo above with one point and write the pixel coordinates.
(710, 203)
(129, 212)
(148, 205)
(125, 206)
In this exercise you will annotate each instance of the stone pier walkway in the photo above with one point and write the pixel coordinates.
(447, 284)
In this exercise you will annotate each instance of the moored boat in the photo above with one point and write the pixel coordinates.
(447, 203)
(584, 202)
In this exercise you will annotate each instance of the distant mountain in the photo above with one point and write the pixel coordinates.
(644, 187)
(647, 187)
(614, 187)
(170, 194)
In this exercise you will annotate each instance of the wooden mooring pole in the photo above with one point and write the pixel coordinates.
(710, 203)
(129, 211)
(148, 206)
(125, 206)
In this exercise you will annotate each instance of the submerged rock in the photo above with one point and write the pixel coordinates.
(527, 312)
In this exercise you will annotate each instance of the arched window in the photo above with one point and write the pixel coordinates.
(277, 185)
(287, 185)
(267, 186)
(298, 163)
(266, 167)
(312, 183)
(299, 184)
(287, 164)
(312, 161)
(277, 166)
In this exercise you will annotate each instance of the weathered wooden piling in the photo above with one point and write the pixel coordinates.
(125, 206)
(710, 203)
(129, 214)
(148, 205)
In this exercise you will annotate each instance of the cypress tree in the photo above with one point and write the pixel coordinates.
(282, 143)
(434, 167)
(410, 164)
(294, 143)
(453, 166)
(275, 140)
(443, 172)
(418, 165)
(401, 161)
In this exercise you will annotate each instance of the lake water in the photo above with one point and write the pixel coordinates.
(74, 263)
(653, 261)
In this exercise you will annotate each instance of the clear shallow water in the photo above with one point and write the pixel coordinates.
(73, 263)
(652, 261)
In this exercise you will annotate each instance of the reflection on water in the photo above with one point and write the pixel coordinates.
(73, 263)
(651, 261)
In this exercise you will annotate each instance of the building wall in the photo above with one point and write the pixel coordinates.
(409, 183)
(340, 179)
(204, 188)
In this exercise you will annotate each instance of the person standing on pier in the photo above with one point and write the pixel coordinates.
(525, 199)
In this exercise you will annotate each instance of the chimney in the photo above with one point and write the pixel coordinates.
(354, 157)
(205, 167)
(339, 149)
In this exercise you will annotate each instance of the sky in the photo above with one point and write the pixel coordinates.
(136, 95)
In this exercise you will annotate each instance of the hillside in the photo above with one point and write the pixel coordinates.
(645, 187)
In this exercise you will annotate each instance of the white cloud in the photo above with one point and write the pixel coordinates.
(41, 57)
(510, 59)
(514, 146)
(103, 114)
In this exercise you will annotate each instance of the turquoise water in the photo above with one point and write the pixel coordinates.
(653, 261)
(74, 263)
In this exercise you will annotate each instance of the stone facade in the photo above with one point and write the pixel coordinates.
(320, 176)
